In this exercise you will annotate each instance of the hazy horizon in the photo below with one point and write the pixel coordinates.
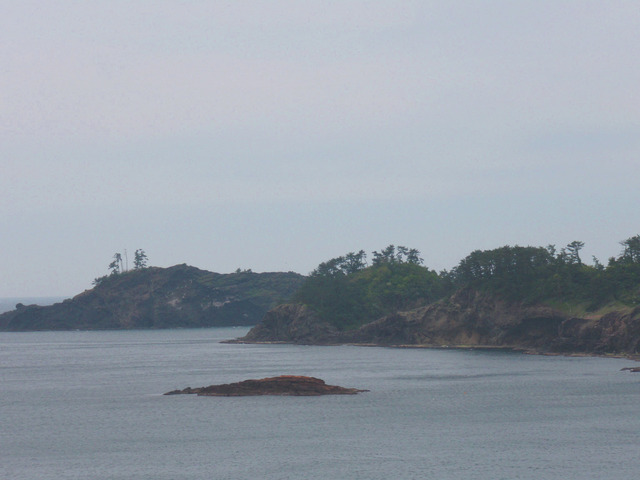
(274, 136)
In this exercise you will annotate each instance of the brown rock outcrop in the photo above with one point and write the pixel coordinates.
(466, 319)
(291, 323)
(282, 385)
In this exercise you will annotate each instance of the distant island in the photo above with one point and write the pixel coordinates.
(181, 296)
(537, 299)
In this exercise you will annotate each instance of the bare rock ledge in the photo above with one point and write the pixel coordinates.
(282, 385)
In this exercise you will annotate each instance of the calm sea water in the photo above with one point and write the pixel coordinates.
(89, 405)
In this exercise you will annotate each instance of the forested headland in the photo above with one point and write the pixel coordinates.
(348, 291)
(152, 297)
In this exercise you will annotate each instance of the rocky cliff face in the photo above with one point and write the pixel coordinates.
(292, 323)
(179, 296)
(468, 318)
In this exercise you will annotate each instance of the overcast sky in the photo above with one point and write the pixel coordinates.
(274, 135)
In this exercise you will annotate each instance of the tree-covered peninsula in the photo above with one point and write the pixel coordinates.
(540, 298)
(348, 291)
(181, 296)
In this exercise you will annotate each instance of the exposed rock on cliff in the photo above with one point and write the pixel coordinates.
(282, 385)
(179, 296)
(468, 318)
(291, 323)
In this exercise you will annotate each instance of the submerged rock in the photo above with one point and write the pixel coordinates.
(282, 385)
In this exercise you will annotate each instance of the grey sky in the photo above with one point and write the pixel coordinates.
(275, 135)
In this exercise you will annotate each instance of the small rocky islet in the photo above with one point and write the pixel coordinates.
(282, 385)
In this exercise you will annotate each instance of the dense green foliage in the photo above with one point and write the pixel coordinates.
(537, 274)
(264, 289)
(348, 292)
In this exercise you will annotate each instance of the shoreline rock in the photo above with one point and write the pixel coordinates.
(283, 385)
(467, 319)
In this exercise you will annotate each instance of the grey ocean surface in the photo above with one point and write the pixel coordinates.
(89, 405)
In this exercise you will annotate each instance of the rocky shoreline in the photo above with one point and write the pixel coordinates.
(468, 319)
